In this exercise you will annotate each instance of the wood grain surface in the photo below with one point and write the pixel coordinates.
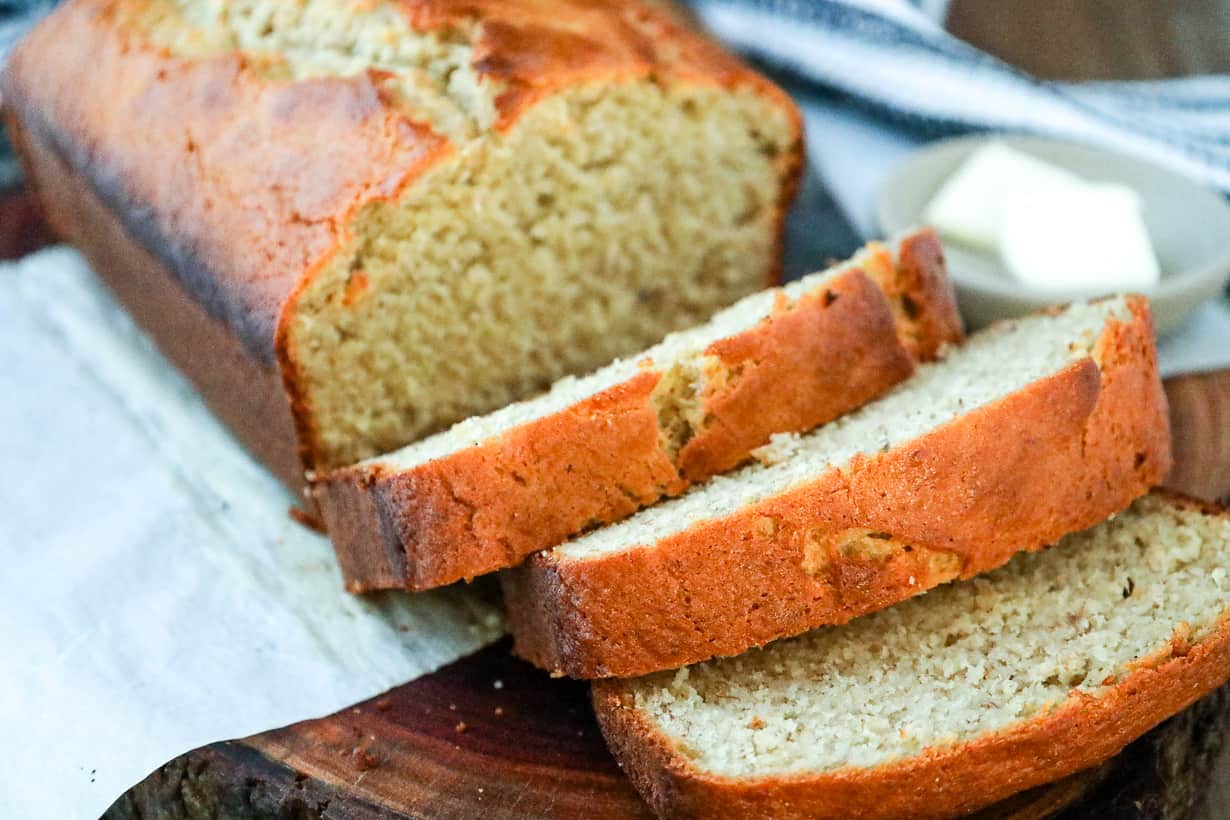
(1200, 425)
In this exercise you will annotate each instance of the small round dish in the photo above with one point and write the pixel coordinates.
(1188, 225)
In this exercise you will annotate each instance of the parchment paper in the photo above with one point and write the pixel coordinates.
(154, 595)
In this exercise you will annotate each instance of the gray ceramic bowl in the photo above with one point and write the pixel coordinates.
(1189, 227)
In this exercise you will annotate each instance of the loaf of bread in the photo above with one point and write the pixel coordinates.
(1034, 429)
(353, 224)
(952, 701)
(493, 489)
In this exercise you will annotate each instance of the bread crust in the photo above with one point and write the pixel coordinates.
(781, 388)
(922, 296)
(1078, 734)
(244, 391)
(291, 163)
(486, 507)
(1054, 458)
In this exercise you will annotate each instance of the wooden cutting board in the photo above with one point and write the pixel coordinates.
(492, 737)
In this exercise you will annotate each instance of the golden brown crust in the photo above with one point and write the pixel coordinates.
(487, 507)
(244, 392)
(1054, 458)
(245, 184)
(925, 301)
(830, 351)
(941, 782)
(537, 47)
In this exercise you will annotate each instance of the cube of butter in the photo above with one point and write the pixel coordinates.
(1086, 239)
(969, 207)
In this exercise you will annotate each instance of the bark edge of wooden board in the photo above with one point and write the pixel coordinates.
(426, 748)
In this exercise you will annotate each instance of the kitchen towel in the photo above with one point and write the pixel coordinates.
(892, 58)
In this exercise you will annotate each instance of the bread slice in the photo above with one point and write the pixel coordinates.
(491, 490)
(954, 700)
(1034, 429)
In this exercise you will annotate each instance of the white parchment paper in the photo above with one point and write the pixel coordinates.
(154, 595)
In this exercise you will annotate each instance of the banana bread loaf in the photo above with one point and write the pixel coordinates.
(352, 224)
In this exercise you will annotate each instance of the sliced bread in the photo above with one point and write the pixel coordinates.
(355, 222)
(954, 700)
(1034, 429)
(491, 490)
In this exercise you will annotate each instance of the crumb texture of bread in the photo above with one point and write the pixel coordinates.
(955, 668)
(423, 209)
(456, 316)
(1034, 429)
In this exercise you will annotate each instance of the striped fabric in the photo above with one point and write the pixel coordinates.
(893, 58)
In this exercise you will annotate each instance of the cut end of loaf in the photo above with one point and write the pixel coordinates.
(605, 215)
(595, 449)
(961, 666)
(586, 232)
(689, 372)
(686, 372)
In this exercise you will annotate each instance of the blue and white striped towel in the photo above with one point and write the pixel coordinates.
(891, 59)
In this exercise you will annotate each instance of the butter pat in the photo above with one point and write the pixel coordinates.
(969, 207)
(1089, 238)
(1054, 231)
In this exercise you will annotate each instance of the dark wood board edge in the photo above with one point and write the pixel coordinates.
(488, 736)
(1200, 424)
(234, 780)
(1163, 776)
(1166, 774)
